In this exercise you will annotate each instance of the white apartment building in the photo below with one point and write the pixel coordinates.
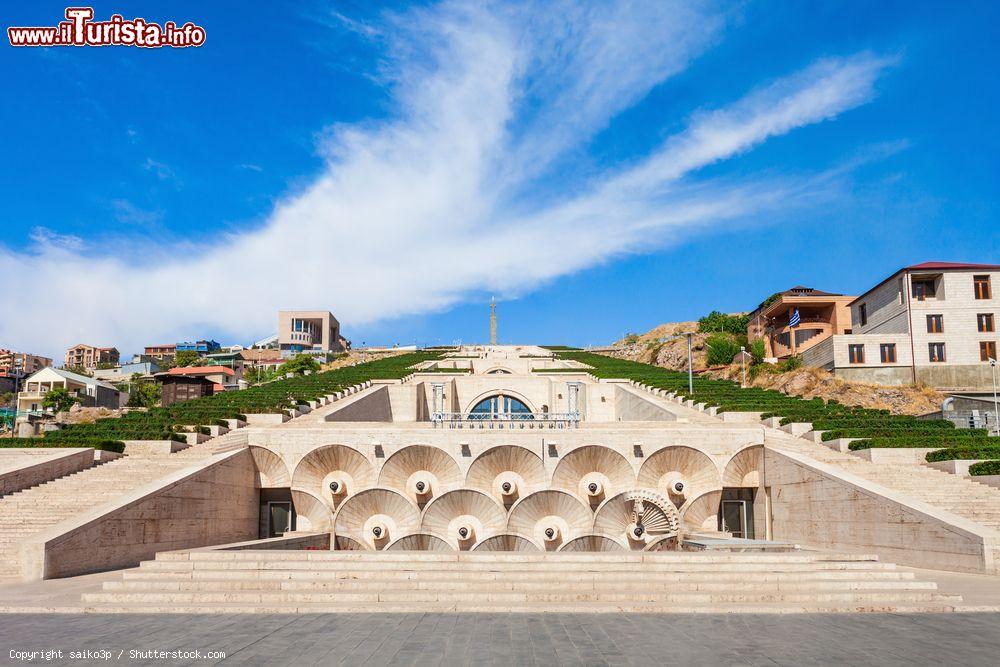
(934, 323)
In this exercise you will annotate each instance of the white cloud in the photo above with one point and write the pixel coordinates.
(414, 213)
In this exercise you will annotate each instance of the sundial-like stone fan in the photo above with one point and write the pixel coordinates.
(271, 469)
(463, 517)
(679, 474)
(593, 473)
(419, 542)
(312, 514)
(506, 542)
(592, 543)
(550, 517)
(420, 472)
(507, 473)
(744, 469)
(702, 513)
(376, 517)
(344, 543)
(333, 473)
(636, 518)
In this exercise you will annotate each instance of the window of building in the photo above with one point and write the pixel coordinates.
(863, 314)
(856, 354)
(987, 350)
(923, 289)
(935, 324)
(935, 352)
(984, 322)
(981, 285)
(888, 353)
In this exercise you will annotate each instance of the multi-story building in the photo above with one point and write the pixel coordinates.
(201, 346)
(90, 357)
(310, 331)
(21, 363)
(933, 323)
(90, 392)
(161, 352)
(821, 315)
(127, 371)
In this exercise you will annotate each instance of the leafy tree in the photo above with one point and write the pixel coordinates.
(299, 364)
(106, 365)
(79, 370)
(758, 350)
(6, 399)
(186, 358)
(716, 322)
(790, 364)
(59, 400)
(721, 349)
(144, 395)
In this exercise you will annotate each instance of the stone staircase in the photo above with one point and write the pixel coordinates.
(263, 581)
(976, 502)
(31, 511)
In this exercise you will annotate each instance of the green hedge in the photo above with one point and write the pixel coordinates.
(985, 468)
(46, 442)
(965, 453)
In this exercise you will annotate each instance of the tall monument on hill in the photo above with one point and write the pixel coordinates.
(493, 321)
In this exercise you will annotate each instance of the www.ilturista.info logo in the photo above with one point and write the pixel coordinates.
(81, 30)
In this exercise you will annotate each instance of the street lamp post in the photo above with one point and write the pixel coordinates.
(996, 411)
(743, 367)
(690, 367)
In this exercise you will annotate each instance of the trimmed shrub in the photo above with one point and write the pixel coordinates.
(963, 453)
(985, 468)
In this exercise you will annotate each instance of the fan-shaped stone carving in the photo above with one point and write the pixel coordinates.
(679, 473)
(665, 543)
(344, 543)
(376, 517)
(507, 472)
(506, 542)
(593, 543)
(593, 473)
(463, 517)
(420, 472)
(312, 514)
(551, 517)
(272, 472)
(419, 542)
(333, 473)
(744, 469)
(702, 513)
(637, 517)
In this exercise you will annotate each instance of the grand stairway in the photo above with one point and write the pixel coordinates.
(976, 502)
(208, 581)
(31, 511)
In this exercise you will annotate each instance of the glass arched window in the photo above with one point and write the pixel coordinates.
(500, 407)
(498, 371)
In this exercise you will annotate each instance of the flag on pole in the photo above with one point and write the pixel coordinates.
(794, 320)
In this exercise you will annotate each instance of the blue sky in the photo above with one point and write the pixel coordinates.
(599, 168)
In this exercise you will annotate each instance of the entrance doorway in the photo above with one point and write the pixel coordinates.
(736, 513)
(279, 518)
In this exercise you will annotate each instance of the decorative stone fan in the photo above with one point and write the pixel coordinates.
(463, 517)
(637, 517)
(592, 543)
(593, 473)
(333, 473)
(376, 517)
(420, 473)
(549, 517)
(419, 542)
(506, 542)
(507, 472)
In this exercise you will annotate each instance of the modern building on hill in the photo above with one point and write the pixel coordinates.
(21, 363)
(90, 357)
(126, 371)
(201, 346)
(308, 331)
(820, 315)
(161, 352)
(222, 378)
(91, 392)
(933, 323)
(231, 359)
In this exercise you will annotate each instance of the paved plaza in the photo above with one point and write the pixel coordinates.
(517, 639)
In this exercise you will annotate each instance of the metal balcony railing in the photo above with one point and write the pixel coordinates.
(506, 420)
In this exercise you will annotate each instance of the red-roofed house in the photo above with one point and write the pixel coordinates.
(933, 323)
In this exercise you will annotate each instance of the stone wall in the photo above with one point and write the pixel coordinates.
(814, 503)
(209, 503)
(22, 469)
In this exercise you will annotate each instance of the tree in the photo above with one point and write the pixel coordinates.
(6, 399)
(186, 358)
(144, 395)
(716, 322)
(59, 400)
(721, 349)
(299, 365)
(758, 350)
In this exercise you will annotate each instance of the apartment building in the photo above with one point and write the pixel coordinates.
(89, 357)
(201, 346)
(163, 353)
(310, 331)
(934, 323)
(21, 363)
(820, 315)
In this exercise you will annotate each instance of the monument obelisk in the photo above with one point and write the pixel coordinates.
(493, 321)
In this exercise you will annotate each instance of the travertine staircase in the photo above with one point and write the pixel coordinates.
(34, 510)
(976, 502)
(350, 581)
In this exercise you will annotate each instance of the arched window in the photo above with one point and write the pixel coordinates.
(498, 371)
(500, 407)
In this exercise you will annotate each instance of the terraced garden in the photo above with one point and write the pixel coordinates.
(871, 428)
(197, 415)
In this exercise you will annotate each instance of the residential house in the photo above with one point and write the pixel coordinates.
(201, 346)
(90, 391)
(820, 315)
(162, 353)
(310, 332)
(90, 357)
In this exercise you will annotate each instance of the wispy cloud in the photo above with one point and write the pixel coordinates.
(414, 213)
(128, 213)
(161, 170)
